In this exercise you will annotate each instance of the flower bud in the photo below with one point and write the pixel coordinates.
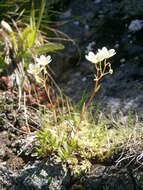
(6, 26)
(110, 71)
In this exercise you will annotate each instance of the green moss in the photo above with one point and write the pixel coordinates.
(96, 142)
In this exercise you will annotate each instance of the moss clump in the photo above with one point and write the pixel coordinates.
(102, 142)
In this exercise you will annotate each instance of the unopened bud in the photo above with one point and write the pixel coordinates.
(111, 71)
(6, 26)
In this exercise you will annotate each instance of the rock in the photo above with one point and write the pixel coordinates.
(25, 146)
(65, 15)
(109, 177)
(105, 24)
(131, 9)
(135, 25)
(90, 47)
(121, 91)
(138, 176)
(43, 175)
(97, 1)
(5, 178)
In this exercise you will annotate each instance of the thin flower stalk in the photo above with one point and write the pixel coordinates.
(51, 103)
(48, 89)
(39, 71)
(85, 107)
(97, 59)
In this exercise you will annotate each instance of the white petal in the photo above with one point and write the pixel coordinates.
(37, 60)
(87, 57)
(42, 56)
(100, 56)
(104, 49)
(38, 79)
(49, 58)
(43, 61)
(91, 57)
(112, 52)
(30, 68)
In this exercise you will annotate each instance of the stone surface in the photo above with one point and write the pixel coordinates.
(135, 25)
(109, 178)
(100, 23)
(121, 91)
(5, 178)
(43, 175)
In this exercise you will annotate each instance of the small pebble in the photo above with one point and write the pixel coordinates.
(122, 60)
(116, 46)
(76, 23)
(97, 1)
(66, 14)
(84, 79)
(135, 25)
(86, 27)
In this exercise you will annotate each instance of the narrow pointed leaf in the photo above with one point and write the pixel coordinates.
(50, 47)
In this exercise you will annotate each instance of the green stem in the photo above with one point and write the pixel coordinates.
(41, 13)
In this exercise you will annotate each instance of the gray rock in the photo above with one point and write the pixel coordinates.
(135, 25)
(42, 176)
(97, 1)
(5, 178)
(65, 15)
(131, 9)
(121, 91)
(25, 145)
(108, 178)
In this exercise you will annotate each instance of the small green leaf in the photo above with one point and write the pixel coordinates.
(31, 38)
(2, 63)
(28, 36)
(50, 47)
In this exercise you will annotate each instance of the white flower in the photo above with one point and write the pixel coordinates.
(94, 58)
(34, 69)
(43, 60)
(38, 79)
(102, 54)
(106, 53)
(100, 57)
(6, 26)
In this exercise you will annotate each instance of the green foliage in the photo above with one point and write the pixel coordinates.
(50, 47)
(12, 8)
(28, 37)
(25, 41)
(100, 142)
(48, 143)
(53, 141)
(2, 63)
(43, 2)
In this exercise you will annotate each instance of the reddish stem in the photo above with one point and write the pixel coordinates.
(54, 112)
(87, 106)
